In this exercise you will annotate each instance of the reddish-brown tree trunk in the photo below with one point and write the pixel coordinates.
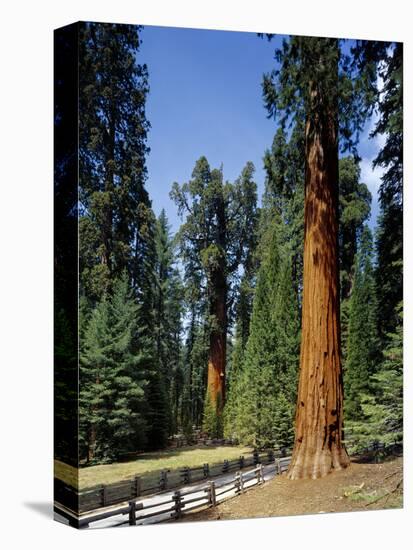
(217, 355)
(318, 447)
(218, 347)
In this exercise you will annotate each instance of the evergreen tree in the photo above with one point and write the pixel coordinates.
(386, 60)
(314, 81)
(168, 316)
(220, 219)
(382, 406)
(282, 213)
(362, 356)
(114, 205)
(354, 210)
(266, 385)
(113, 377)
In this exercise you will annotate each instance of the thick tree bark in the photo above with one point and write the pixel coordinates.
(318, 447)
(218, 344)
(218, 312)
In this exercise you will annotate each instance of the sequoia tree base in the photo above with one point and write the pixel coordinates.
(312, 464)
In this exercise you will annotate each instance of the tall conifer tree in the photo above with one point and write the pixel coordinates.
(313, 80)
(214, 238)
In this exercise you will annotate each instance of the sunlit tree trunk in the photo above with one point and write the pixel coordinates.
(218, 344)
(218, 313)
(318, 447)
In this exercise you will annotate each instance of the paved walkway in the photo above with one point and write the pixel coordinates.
(220, 482)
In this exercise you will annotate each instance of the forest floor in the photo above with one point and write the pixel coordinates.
(172, 459)
(360, 487)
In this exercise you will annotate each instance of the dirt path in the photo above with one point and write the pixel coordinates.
(353, 489)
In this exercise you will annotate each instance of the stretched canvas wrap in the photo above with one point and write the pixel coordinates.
(228, 275)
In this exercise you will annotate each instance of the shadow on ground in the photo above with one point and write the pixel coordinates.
(45, 509)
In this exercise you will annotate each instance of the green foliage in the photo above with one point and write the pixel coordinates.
(113, 204)
(354, 210)
(362, 353)
(138, 382)
(308, 64)
(382, 407)
(212, 423)
(385, 60)
(261, 400)
(169, 310)
(215, 243)
(113, 377)
(219, 227)
(265, 388)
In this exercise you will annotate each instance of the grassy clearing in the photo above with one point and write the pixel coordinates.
(148, 462)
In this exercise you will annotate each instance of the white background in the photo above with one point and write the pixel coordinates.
(26, 203)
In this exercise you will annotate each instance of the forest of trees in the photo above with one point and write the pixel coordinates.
(220, 326)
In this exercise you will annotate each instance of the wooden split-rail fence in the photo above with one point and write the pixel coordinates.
(103, 496)
(131, 491)
(200, 497)
(182, 501)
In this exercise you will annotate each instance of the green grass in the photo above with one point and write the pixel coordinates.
(148, 462)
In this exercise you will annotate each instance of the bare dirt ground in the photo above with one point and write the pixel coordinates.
(359, 487)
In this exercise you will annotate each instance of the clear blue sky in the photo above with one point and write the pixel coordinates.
(205, 99)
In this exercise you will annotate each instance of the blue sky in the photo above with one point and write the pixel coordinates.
(205, 99)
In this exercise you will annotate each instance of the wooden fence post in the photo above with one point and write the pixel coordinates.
(208, 492)
(277, 467)
(178, 505)
(259, 475)
(270, 456)
(206, 470)
(212, 494)
(241, 461)
(241, 482)
(225, 466)
(237, 483)
(132, 512)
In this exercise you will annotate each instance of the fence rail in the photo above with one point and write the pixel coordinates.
(102, 496)
(93, 499)
(205, 496)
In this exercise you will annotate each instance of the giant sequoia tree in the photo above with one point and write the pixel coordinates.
(116, 222)
(312, 81)
(215, 236)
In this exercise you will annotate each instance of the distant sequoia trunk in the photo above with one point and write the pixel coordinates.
(318, 447)
(218, 344)
(218, 314)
